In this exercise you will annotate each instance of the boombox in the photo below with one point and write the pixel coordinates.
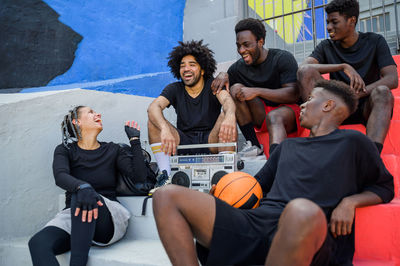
(201, 171)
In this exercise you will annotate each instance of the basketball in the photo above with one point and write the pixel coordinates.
(239, 190)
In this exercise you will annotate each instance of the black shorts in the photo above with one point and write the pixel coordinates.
(358, 116)
(243, 237)
(193, 137)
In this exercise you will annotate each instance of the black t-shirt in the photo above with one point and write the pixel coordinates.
(75, 166)
(193, 114)
(325, 169)
(280, 67)
(367, 56)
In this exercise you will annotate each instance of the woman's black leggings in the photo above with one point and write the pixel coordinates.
(52, 241)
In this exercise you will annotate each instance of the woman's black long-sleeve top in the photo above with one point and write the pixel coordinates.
(75, 166)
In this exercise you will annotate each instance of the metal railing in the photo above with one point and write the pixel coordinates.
(298, 25)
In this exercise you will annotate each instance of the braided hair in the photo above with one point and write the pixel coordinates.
(70, 132)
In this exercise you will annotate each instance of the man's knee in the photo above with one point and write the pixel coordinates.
(234, 89)
(305, 72)
(305, 214)
(165, 196)
(382, 95)
(274, 118)
(283, 116)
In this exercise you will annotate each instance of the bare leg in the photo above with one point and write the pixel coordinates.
(180, 215)
(155, 133)
(248, 111)
(378, 112)
(280, 122)
(307, 76)
(301, 232)
(213, 137)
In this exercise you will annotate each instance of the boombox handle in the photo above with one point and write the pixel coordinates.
(208, 145)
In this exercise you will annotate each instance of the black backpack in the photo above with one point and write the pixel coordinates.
(126, 187)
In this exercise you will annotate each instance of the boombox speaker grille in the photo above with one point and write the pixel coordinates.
(181, 178)
(217, 176)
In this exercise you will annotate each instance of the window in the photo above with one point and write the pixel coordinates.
(377, 23)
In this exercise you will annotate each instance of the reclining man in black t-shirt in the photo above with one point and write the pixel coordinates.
(307, 181)
(263, 86)
(362, 60)
(199, 116)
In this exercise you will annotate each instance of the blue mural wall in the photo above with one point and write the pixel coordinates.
(320, 17)
(117, 39)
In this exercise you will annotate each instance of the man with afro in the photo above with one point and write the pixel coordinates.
(360, 59)
(263, 86)
(199, 116)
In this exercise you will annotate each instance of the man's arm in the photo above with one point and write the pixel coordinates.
(156, 117)
(220, 82)
(343, 215)
(227, 131)
(356, 82)
(289, 93)
(388, 78)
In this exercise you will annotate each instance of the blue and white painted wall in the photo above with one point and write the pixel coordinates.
(116, 46)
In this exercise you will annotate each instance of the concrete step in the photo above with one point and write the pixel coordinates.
(140, 246)
(126, 252)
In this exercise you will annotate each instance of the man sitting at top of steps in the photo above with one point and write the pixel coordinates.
(307, 181)
(263, 86)
(199, 116)
(362, 60)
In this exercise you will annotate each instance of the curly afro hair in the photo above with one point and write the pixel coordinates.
(341, 90)
(203, 55)
(254, 25)
(348, 8)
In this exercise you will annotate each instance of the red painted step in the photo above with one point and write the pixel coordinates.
(377, 232)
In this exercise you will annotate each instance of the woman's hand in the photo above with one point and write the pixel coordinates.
(132, 130)
(87, 200)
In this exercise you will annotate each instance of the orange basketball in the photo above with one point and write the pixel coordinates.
(240, 190)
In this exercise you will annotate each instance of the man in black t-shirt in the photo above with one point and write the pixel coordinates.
(263, 86)
(199, 116)
(307, 181)
(362, 60)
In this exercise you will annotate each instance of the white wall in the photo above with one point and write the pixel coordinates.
(29, 132)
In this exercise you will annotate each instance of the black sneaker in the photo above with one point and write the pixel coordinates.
(162, 180)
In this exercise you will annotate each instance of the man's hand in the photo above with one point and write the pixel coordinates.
(356, 82)
(168, 142)
(342, 218)
(227, 131)
(246, 94)
(220, 81)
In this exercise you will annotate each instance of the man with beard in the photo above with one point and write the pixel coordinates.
(360, 59)
(263, 86)
(199, 116)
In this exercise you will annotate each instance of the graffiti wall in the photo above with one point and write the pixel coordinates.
(52, 43)
(297, 26)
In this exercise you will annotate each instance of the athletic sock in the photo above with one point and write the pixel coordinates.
(161, 158)
(272, 147)
(249, 134)
(379, 146)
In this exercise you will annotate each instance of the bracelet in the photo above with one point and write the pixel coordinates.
(86, 185)
(133, 138)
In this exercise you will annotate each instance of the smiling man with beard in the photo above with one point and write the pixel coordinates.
(362, 60)
(199, 116)
(263, 86)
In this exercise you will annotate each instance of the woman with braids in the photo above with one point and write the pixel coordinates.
(87, 169)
